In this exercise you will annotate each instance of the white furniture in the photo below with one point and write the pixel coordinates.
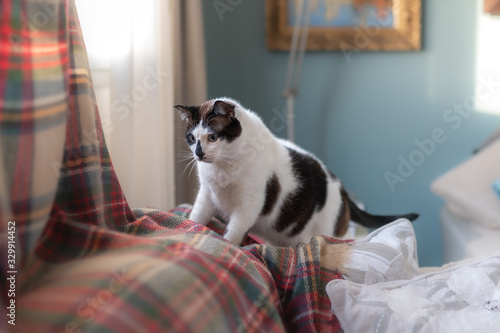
(470, 220)
(463, 238)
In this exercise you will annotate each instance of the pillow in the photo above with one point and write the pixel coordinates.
(464, 298)
(388, 253)
(467, 188)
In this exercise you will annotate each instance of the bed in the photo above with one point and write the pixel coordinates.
(87, 262)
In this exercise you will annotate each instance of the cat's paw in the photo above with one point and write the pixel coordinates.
(197, 220)
(234, 237)
(199, 217)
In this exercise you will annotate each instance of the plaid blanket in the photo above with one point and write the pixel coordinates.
(86, 262)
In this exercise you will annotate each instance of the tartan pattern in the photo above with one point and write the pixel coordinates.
(33, 102)
(98, 266)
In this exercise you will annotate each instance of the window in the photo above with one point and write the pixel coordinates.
(488, 63)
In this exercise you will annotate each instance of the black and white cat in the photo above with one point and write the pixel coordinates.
(262, 184)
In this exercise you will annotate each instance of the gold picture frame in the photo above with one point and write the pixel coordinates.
(404, 34)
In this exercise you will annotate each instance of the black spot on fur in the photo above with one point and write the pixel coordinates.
(217, 116)
(189, 113)
(222, 120)
(229, 132)
(310, 195)
(273, 189)
(222, 108)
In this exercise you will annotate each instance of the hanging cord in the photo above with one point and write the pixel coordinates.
(297, 50)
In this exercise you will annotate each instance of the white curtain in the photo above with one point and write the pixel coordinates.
(132, 53)
(190, 84)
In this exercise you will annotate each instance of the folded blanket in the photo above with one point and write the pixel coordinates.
(496, 187)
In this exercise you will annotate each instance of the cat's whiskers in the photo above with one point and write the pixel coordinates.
(223, 159)
(223, 164)
(228, 165)
(190, 166)
(233, 161)
(184, 159)
(223, 155)
(183, 156)
(183, 153)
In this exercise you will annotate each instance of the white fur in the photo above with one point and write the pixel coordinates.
(233, 184)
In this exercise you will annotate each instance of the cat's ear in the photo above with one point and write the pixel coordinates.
(222, 108)
(187, 112)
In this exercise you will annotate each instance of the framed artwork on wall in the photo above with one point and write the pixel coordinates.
(343, 25)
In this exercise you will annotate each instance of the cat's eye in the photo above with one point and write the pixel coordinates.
(212, 137)
(190, 139)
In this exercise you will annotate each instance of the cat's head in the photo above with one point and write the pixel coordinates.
(211, 128)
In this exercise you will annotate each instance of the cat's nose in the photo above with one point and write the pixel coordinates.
(199, 152)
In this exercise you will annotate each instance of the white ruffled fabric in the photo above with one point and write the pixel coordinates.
(388, 253)
(379, 298)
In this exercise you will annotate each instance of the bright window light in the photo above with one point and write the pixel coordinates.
(107, 27)
(488, 64)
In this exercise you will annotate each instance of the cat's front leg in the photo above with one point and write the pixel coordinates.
(203, 208)
(240, 223)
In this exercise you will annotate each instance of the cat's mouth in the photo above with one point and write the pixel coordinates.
(202, 159)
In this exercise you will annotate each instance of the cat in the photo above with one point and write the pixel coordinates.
(262, 184)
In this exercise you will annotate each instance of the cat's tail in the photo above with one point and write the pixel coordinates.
(375, 221)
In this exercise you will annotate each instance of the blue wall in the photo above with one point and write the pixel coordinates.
(360, 116)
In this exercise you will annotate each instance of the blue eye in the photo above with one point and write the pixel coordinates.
(190, 139)
(212, 137)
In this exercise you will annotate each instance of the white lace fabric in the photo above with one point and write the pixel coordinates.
(386, 294)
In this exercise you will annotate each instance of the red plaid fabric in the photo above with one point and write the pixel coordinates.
(85, 261)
